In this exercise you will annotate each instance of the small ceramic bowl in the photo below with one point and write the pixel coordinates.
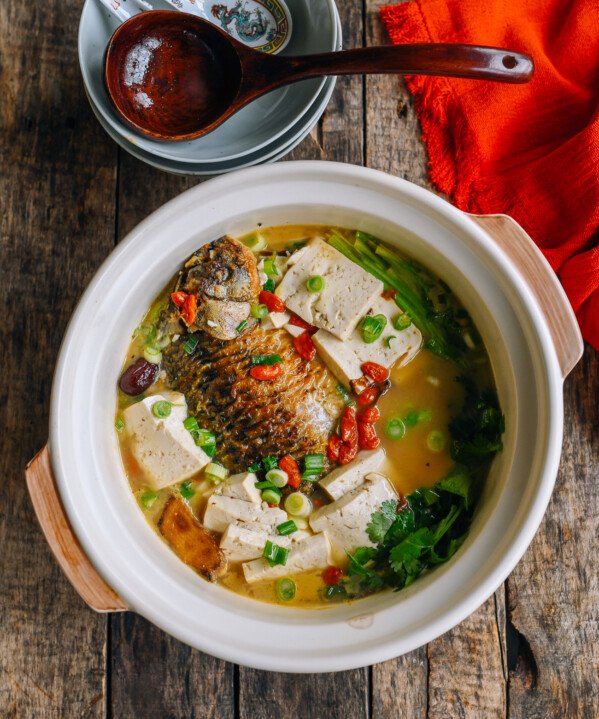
(82, 496)
(248, 131)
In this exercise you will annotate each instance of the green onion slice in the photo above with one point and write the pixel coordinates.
(315, 283)
(119, 425)
(345, 395)
(187, 489)
(162, 409)
(270, 267)
(372, 327)
(395, 428)
(204, 437)
(314, 463)
(389, 339)
(285, 589)
(147, 499)
(310, 477)
(278, 477)
(298, 504)
(152, 355)
(411, 418)
(258, 312)
(269, 285)
(402, 322)
(190, 344)
(265, 484)
(216, 471)
(210, 450)
(288, 527)
(436, 441)
(272, 496)
(265, 359)
(254, 467)
(275, 554)
(255, 242)
(191, 424)
(241, 326)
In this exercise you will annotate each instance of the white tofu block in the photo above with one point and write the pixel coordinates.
(350, 476)
(345, 520)
(296, 256)
(163, 448)
(348, 293)
(222, 511)
(275, 320)
(294, 330)
(280, 264)
(242, 543)
(241, 486)
(344, 359)
(309, 554)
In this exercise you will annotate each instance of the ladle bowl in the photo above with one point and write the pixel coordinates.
(173, 76)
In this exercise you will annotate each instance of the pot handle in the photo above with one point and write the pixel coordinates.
(62, 540)
(543, 282)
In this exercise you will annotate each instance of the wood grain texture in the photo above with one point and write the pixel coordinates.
(553, 593)
(62, 540)
(57, 182)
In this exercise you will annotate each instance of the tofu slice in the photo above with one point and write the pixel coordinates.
(347, 477)
(275, 320)
(222, 511)
(241, 544)
(349, 290)
(344, 359)
(163, 447)
(345, 520)
(309, 554)
(241, 486)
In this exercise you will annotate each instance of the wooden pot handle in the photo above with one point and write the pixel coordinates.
(543, 282)
(62, 540)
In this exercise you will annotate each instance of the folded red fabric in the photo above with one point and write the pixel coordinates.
(531, 151)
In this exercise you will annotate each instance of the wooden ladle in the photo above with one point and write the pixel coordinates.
(174, 76)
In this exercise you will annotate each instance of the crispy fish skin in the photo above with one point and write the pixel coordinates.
(193, 544)
(292, 414)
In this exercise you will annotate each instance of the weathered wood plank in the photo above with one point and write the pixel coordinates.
(399, 687)
(153, 675)
(553, 594)
(57, 183)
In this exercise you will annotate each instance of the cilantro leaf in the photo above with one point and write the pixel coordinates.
(458, 482)
(402, 556)
(381, 521)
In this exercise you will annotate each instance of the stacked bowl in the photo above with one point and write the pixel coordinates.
(264, 131)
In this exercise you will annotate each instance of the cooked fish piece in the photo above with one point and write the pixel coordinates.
(292, 414)
(192, 543)
(224, 277)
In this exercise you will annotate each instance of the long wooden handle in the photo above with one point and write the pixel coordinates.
(453, 60)
(549, 293)
(62, 540)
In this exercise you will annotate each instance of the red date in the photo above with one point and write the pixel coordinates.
(138, 377)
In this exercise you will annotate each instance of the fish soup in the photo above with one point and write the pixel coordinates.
(306, 416)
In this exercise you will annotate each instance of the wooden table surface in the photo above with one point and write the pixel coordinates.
(68, 195)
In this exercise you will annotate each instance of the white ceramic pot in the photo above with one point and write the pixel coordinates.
(118, 562)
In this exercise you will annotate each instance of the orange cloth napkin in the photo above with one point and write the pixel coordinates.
(531, 151)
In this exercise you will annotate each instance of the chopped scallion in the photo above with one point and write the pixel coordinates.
(187, 489)
(162, 409)
(310, 477)
(269, 285)
(255, 242)
(372, 327)
(265, 359)
(152, 355)
(275, 554)
(285, 589)
(190, 344)
(436, 441)
(258, 311)
(288, 527)
(270, 267)
(314, 462)
(315, 283)
(215, 471)
(191, 424)
(254, 467)
(147, 499)
(395, 428)
(241, 326)
(278, 477)
(425, 415)
(210, 450)
(411, 418)
(205, 437)
(298, 505)
(272, 496)
(119, 425)
(264, 484)
(402, 321)
(345, 395)
(389, 339)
